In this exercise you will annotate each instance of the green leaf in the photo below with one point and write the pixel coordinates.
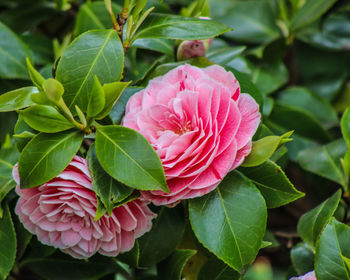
(263, 149)
(96, 99)
(171, 268)
(313, 222)
(35, 76)
(53, 89)
(302, 98)
(93, 15)
(40, 47)
(7, 243)
(253, 21)
(46, 156)
(176, 27)
(310, 11)
(302, 258)
(225, 55)
(17, 99)
(333, 244)
(96, 52)
(165, 235)
(345, 129)
(155, 44)
(45, 119)
(13, 53)
(112, 93)
(325, 160)
(129, 158)
(131, 257)
(106, 188)
(218, 270)
(230, 221)
(273, 184)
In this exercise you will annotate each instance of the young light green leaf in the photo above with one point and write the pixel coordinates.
(81, 116)
(171, 268)
(129, 158)
(112, 92)
(7, 243)
(313, 222)
(46, 156)
(35, 76)
(17, 99)
(263, 149)
(177, 27)
(13, 55)
(96, 52)
(273, 184)
(53, 89)
(96, 99)
(325, 160)
(345, 129)
(334, 243)
(45, 119)
(107, 189)
(163, 238)
(220, 225)
(310, 11)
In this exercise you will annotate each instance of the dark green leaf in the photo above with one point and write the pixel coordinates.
(20, 128)
(224, 55)
(302, 258)
(40, 46)
(334, 243)
(45, 119)
(7, 243)
(47, 155)
(230, 221)
(17, 99)
(171, 268)
(13, 53)
(218, 270)
(107, 189)
(131, 257)
(325, 160)
(163, 238)
(156, 44)
(313, 222)
(273, 184)
(310, 11)
(129, 158)
(176, 27)
(253, 21)
(97, 52)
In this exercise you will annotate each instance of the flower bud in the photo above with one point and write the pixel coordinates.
(190, 49)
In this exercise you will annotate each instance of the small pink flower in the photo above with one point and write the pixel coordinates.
(61, 213)
(308, 276)
(199, 124)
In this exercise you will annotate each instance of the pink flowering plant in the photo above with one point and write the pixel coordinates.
(145, 144)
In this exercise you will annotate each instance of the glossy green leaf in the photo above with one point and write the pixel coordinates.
(218, 270)
(325, 160)
(97, 52)
(303, 98)
(253, 21)
(93, 15)
(7, 243)
(13, 53)
(162, 239)
(230, 221)
(310, 11)
(106, 188)
(46, 156)
(176, 27)
(112, 93)
(129, 158)
(273, 184)
(45, 119)
(96, 99)
(224, 55)
(156, 44)
(17, 99)
(302, 258)
(313, 222)
(333, 244)
(263, 149)
(171, 268)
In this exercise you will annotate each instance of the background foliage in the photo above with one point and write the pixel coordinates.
(292, 56)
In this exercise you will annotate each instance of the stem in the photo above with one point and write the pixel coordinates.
(68, 115)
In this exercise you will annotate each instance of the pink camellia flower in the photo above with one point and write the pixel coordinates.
(199, 124)
(61, 213)
(308, 276)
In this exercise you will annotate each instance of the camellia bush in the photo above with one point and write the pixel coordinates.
(175, 139)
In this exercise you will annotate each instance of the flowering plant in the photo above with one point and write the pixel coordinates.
(139, 143)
